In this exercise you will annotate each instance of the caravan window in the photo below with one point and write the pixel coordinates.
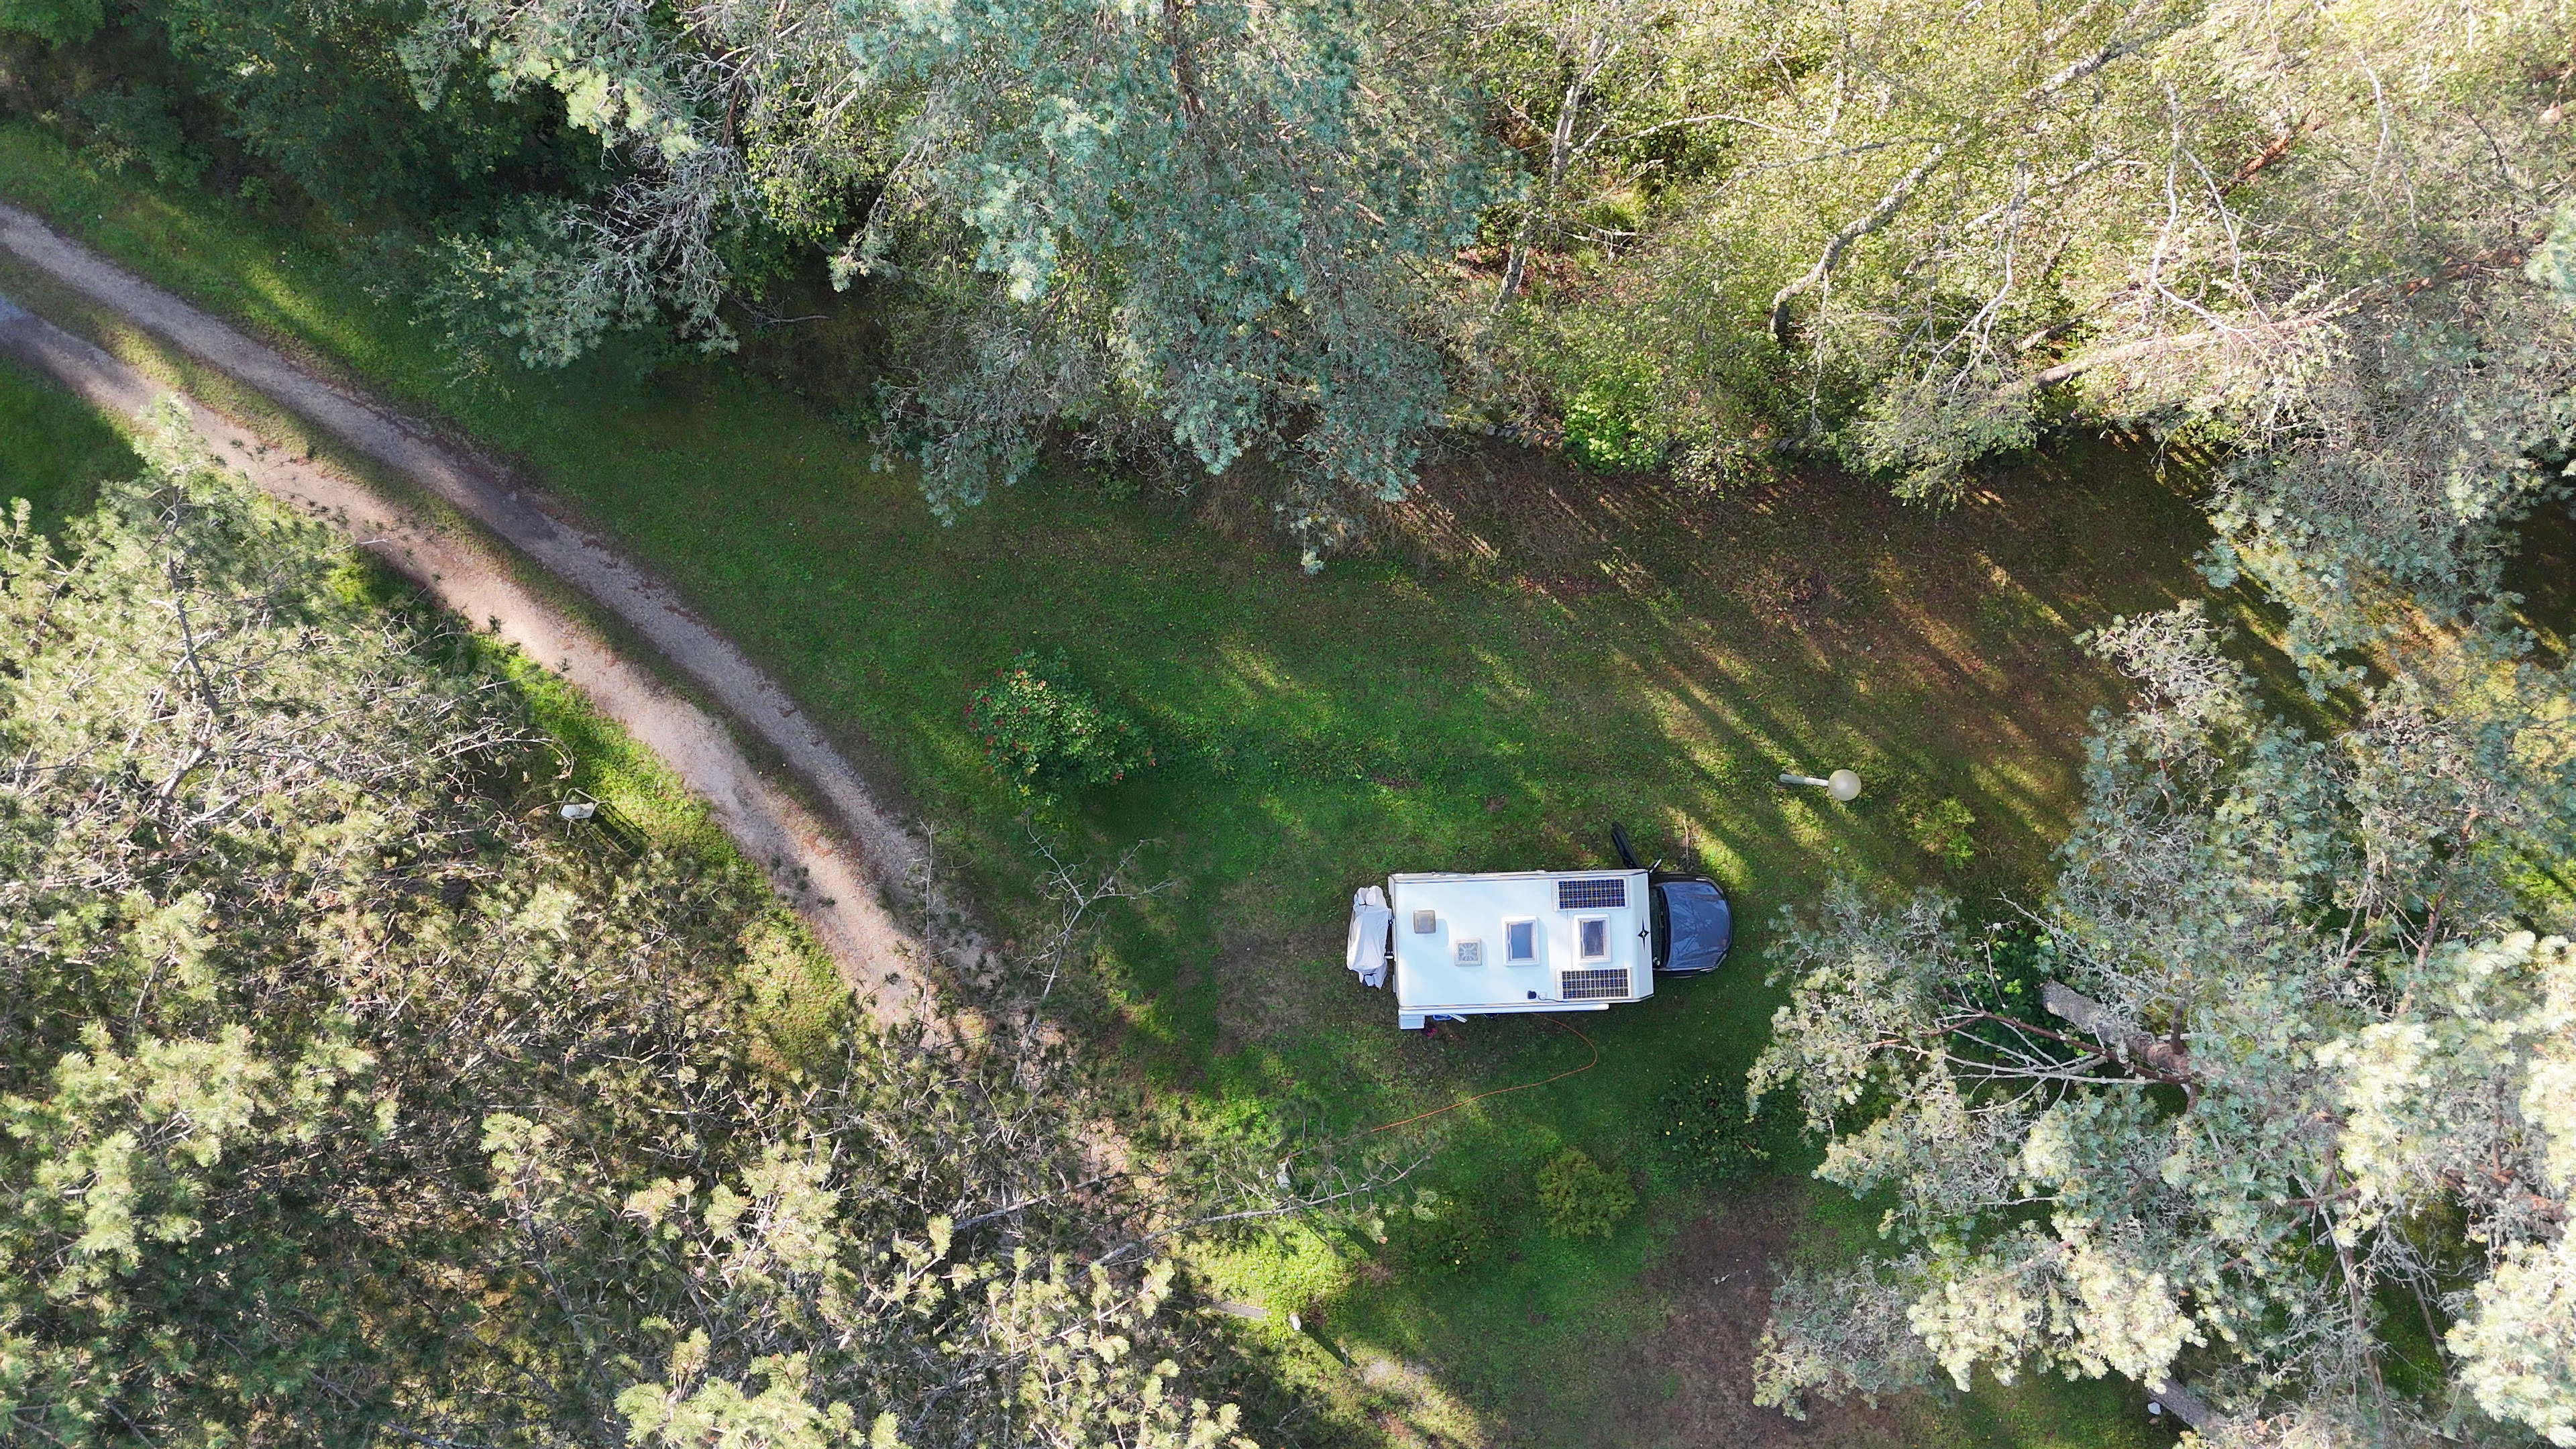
(1520, 942)
(1592, 939)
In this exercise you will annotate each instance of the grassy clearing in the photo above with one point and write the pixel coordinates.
(1525, 656)
(54, 449)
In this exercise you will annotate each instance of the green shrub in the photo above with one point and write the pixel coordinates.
(1043, 733)
(139, 126)
(1580, 1198)
(2020, 962)
(1942, 831)
(1704, 1129)
(1439, 1232)
(56, 22)
(1611, 425)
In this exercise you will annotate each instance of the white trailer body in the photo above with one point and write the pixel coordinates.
(1509, 942)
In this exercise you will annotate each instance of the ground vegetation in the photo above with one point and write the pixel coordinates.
(349, 1093)
(1043, 731)
(61, 453)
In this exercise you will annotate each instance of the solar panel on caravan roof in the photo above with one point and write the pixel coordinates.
(1598, 985)
(1591, 895)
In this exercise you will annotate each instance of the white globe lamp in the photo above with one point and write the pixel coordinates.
(1843, 785)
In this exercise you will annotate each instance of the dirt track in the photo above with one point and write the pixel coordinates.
(849, 876)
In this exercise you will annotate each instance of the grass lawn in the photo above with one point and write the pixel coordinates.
(1524, 655)
(54, 450)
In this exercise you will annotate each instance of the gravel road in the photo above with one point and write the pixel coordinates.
(856, 875)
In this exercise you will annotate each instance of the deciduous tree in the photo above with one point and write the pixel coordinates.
(1197, 229)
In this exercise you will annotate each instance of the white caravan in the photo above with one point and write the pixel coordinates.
(1507, 942)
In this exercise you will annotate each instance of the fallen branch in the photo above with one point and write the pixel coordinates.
(2506, 256)
(2279, 148)
(1888, 205)
(2186, 1405)
(2167, 1059)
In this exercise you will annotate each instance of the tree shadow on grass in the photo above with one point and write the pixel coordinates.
(1547, 652)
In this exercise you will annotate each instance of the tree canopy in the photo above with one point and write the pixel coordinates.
(2274, 1094)
(1200, 229)
(343, 1099)
(1899, 235)
(2281, 1060)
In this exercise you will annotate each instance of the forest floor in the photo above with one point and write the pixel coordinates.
(1520, 655)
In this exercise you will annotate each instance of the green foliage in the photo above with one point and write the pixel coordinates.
(321, 1058)
(2177, 1064)
(318, 98)
(1924, 437)
(1221, 255)
(1684, 198)
(1712, 1134)
(136, 125)
(1580, 1198)
(56, 22)
(1941, 829)
(1611, 427)
(2553, 262)
(1042, 732)
(230, 947)
(2008, 975)
(1440, 1232)
(325, 95)
(1254, 247)
(514, 282)
(1661, 374)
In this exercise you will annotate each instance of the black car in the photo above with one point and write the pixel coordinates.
(1694, 923)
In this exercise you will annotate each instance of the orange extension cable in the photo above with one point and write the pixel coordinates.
(1501, 1091)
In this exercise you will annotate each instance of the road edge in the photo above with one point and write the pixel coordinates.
(848, 876)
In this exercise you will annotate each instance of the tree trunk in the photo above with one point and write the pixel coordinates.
(1878, 216)
(1560, 152)
(2186, 1405)
(2155, 1055)
(1185, 63)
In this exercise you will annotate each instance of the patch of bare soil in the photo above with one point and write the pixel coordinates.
(1690, 1383)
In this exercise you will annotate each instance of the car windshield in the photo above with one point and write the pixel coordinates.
(1694, 924)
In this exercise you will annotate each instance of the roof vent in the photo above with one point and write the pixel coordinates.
(1425, 922)
(1471, 953)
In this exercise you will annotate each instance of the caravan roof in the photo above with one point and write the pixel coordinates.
(1519, 941)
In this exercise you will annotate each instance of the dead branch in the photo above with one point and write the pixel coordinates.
(2279, 148)
(2183, 342)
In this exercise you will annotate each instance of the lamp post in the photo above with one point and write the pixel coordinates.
(1843, 785)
